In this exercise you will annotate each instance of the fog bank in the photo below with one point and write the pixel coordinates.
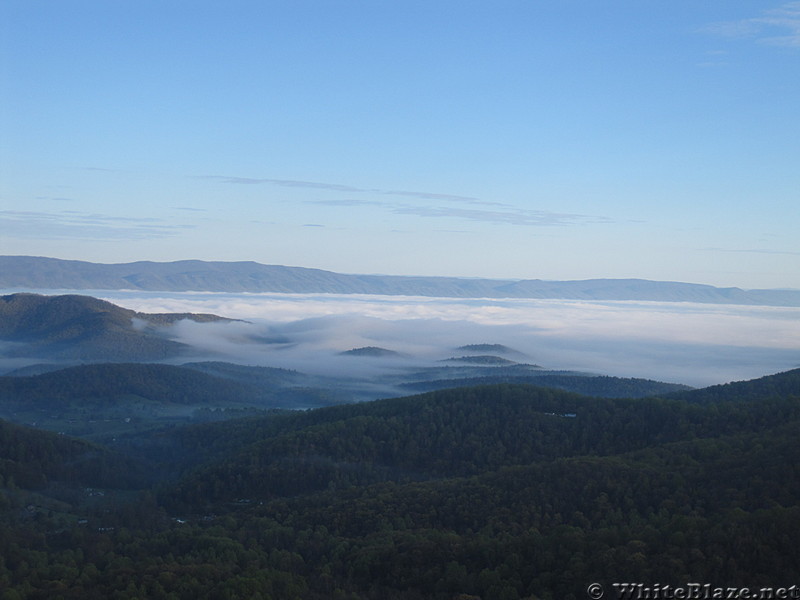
(696, 344)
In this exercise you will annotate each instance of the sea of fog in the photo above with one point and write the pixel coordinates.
(695, 344)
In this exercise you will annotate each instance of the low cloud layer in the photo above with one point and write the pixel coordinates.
(696, 344)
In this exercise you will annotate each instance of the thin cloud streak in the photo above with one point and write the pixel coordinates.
(75, 224)
(534, 218)
(447, 197)
(511, 215)
(348, 202)
(753, 251)
(785, 17)
(336, 187)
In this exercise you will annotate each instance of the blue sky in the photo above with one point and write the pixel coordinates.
(553, 139)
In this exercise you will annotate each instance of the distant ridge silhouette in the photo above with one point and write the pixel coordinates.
(39, 273)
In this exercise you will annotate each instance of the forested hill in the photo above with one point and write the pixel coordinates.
(85, 328)
(36, 273)
(110, 382)
(34, 460)
(461, 431)
(509, 492)
(600, 386)
(780, 385)
(102, 401)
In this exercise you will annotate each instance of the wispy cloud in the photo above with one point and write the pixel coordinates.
(753, 251)
(715, 59)
(777, 26)
(786, 18)
(337, 187)
(286, 183)
(346, 202)
(536, 218)
(505, 214)
(501, 212)
(102, 169)
(75, 224)
(446, 197)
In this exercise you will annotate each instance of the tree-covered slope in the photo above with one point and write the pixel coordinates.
(31, 459)
(601, 386)
(780, 385)
(85, 328)
(453, 432)
(111, 382)
(105, 401)
(509, 492)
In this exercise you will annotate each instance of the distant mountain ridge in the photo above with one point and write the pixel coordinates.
(29, 272)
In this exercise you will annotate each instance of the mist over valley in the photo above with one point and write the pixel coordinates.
(688, 343)
(683, 333)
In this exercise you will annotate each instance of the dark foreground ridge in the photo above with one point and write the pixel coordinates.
(504, 491)
(39, 273)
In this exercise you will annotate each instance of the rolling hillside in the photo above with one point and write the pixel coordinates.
(85, 328)
(511, 492)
